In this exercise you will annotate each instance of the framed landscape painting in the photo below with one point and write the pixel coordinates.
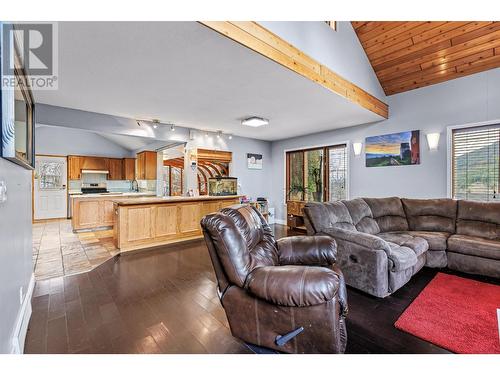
(393, 149)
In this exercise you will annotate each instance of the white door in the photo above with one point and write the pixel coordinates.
(51, 200)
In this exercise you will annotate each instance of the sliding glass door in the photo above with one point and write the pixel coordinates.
(317, 174)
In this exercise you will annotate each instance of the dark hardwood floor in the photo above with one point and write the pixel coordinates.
(165, 301)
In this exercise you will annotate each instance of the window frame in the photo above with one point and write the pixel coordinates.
(449, 149)
(326, 186)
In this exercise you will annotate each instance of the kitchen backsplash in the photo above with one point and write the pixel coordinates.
(147, 185)
(112, 185)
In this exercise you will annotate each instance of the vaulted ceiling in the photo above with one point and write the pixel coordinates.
(408, 55)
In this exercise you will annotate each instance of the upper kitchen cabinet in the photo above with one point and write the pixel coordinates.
(74, 167)
(129, 169)
(94, 163)
(115, 167)
(146, 165)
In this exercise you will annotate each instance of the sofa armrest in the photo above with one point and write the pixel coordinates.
(363, 239)
(344, 308)
(307, 250)
(296, 286)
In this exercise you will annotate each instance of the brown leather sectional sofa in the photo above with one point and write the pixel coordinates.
(383, 242)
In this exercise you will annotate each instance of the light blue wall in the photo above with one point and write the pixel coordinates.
(255, 183)
(16, 264)
(339, 50)
(53, 140)
(465, 100)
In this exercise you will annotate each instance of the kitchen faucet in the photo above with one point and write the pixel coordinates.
(135, 185)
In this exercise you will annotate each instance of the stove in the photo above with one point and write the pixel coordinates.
(94, 188)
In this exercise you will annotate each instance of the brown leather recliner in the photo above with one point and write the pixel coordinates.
(287, 295)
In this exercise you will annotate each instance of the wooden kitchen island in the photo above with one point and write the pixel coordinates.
(154, 221)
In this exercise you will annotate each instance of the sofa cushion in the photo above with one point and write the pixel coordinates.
(417, 244)
(476, 246)
(436, 240)
(388, 213)
(361, 216)
(479, 219)
(401, 258)
(326, 215)
(431, 214)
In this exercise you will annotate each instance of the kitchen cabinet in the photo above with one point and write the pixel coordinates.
(74, 167)
(115, 167)
(129, 169)
(94, 163)
(146, 222)
(107, 212)
(86, 214)
(146, 165)
(90, 213)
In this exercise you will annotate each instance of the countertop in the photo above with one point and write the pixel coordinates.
(111, 195)
(154, 200)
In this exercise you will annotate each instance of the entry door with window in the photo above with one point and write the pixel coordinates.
(50, 188)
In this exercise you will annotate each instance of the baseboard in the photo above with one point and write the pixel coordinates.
(23, 319)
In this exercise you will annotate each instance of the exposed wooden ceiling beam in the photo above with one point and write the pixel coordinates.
(261, 40)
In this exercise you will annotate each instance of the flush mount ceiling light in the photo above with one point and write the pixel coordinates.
(156, 122)
(254, 121)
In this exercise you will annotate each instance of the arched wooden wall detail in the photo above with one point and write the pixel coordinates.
(210, 164)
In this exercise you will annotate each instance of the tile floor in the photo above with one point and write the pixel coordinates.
(57, 251)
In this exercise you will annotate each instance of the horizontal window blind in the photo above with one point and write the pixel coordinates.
(476, 168)
(337, 159)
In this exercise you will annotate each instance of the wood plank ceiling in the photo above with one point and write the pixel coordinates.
(408, 55)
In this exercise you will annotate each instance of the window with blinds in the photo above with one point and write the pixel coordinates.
(318, 174)
(476, 168)
(337, 172)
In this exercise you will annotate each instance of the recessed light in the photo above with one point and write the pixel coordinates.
(255, 121)
(230, 136)
(172, 128)
(155, 123)
(219, 134)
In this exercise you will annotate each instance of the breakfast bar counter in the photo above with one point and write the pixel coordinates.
(155, 199)
(153, 221)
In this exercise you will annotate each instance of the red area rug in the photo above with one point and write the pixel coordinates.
(455, 313)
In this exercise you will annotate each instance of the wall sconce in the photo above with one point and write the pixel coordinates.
(433, 141)
(357, 147)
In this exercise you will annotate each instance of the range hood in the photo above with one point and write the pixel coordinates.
(95, 171)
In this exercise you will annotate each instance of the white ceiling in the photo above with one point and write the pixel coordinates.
(128, 142)
(185, 73)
